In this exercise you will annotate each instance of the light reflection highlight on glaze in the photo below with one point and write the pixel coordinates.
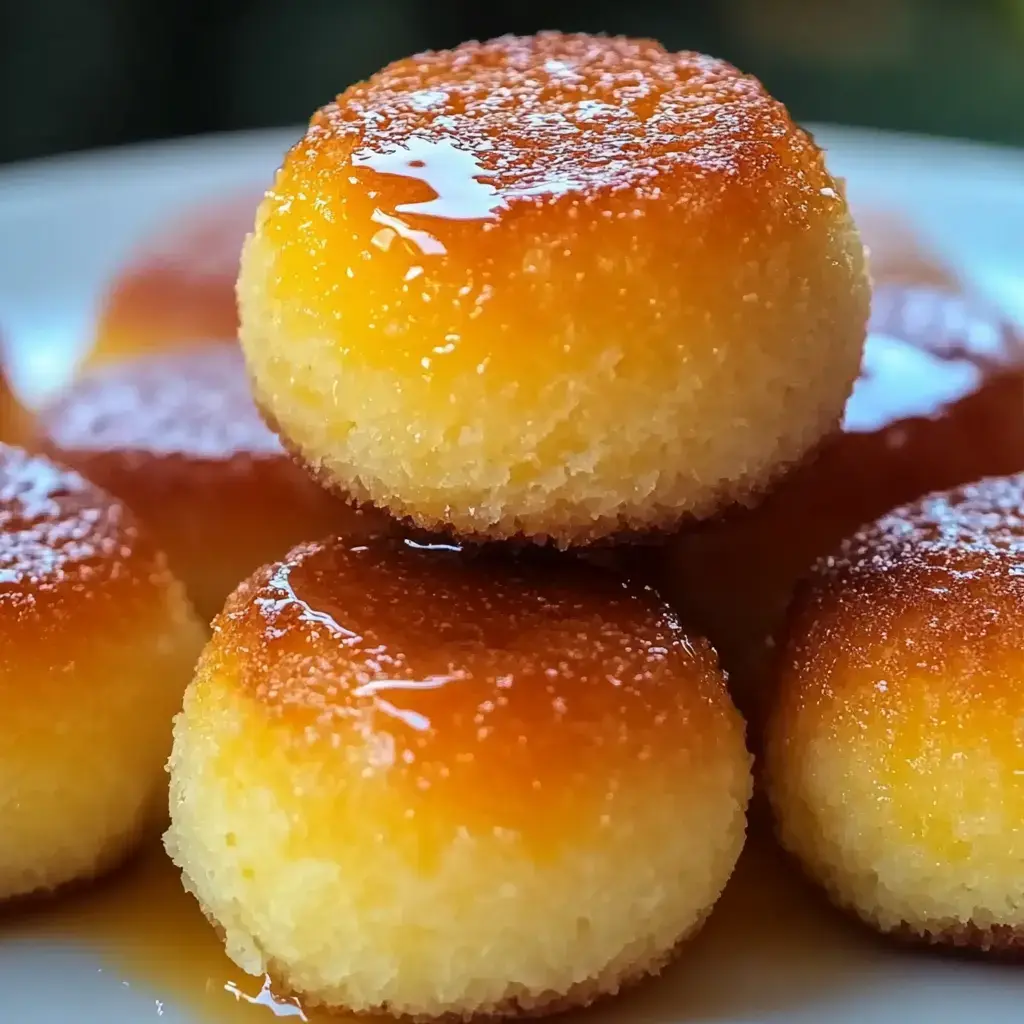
(925, 352)
(423, 240)
(279, 1006)
(455, 176)
(900, 381)
(281, 581)
(462, 187)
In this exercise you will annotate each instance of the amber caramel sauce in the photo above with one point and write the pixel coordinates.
(502, 184)
(142, 926)
(522, 700)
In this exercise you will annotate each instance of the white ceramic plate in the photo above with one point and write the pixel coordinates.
(771, 953)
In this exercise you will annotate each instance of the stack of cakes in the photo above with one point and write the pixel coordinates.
(526, 298)
(536, 335)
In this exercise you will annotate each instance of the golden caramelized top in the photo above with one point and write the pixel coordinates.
(193, 402)
(519, 121)
(974, 533)
(900, 688)
(925, 600)
(504, 694)
(64, 543)
(460, 202)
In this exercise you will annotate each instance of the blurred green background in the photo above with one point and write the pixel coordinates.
(83, 73)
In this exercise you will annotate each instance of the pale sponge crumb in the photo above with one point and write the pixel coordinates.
(97, 643)
(562, 343)
(894, 755)
(511, 791)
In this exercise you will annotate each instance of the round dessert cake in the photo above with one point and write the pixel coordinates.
(413, 781)
(894, 757)
(97, 645)
(562, 287)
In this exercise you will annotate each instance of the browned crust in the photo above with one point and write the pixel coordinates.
(1003, 942)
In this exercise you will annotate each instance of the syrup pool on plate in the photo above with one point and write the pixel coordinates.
(772, 951)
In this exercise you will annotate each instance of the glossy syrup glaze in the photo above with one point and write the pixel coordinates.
(492, 699)
(65, 546)
(939, 402)
(780, 945)
(431, 208)
(146, 932)
(928, 350)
